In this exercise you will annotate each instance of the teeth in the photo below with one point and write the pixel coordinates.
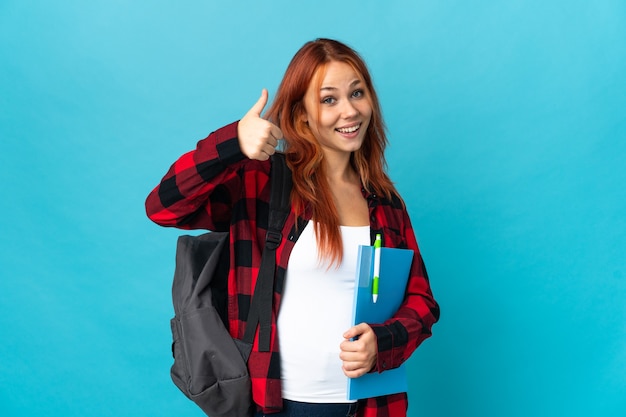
(349, 129)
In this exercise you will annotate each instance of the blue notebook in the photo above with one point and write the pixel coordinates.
(395, 266)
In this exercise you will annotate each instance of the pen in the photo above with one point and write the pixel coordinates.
(377, 246)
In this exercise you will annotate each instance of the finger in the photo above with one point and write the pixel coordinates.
(350, 333)
(268, 149)
(353, 371)
(348, 347)
(354, 365)
(355, 331)
(276, 132)
(260, 104)
(272, 141)
(262, 156)
(350, 366)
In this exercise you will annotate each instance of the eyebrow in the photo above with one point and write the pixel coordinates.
(352, 84)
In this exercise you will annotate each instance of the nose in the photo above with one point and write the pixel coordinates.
(348, 110)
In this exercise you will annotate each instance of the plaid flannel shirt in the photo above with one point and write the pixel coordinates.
(216, 187)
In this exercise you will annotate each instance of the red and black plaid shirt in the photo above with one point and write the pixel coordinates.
(216, 187)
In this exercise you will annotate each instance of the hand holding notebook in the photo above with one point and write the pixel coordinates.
(395, 266)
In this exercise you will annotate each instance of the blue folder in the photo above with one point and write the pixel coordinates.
(395, 266)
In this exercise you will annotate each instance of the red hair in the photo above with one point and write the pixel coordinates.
(304, 154)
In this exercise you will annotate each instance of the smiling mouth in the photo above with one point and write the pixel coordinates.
(350, 129)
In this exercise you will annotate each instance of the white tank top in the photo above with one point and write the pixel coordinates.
(315, 311)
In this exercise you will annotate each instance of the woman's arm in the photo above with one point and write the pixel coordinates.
(199, 188)
(399, 336)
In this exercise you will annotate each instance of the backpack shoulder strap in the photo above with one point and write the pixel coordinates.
(280, 194)
(261, 306)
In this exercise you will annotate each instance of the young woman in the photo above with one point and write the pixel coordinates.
(327, 112)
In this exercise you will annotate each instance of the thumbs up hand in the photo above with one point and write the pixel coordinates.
(258, 137)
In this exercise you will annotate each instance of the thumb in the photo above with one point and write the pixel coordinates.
(260, 104)
(353, 332)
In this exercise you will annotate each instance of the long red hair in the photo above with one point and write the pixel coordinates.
(304, 153)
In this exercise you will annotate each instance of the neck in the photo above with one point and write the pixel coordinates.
(338, 168)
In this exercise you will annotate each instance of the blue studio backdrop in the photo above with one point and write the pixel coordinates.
(507, 123)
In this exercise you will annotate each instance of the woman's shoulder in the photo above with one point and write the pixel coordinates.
(394, 200)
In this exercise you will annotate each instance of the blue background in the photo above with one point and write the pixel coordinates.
(507, 127)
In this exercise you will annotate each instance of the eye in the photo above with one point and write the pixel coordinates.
(328, 100)
(358, 93)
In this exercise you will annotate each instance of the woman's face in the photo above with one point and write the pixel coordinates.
(339, 112)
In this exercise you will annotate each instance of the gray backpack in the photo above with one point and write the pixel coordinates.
(210, 367)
